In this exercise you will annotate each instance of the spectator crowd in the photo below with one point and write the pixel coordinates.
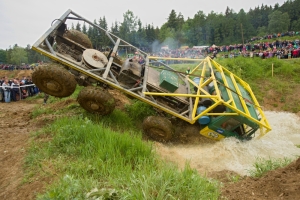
(15, 89)
(17, 67)
(281, 49)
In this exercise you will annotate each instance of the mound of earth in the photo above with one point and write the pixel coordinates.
(15, 73)
(278, 184)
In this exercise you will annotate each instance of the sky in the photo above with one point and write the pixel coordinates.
(22, 22)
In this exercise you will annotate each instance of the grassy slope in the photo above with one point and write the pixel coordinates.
(86, 157)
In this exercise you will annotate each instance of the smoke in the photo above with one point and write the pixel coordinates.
(170, 42)
(155, 46)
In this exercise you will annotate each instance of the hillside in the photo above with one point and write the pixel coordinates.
(19, 119)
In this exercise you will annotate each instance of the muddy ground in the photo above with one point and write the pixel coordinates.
(16, 125)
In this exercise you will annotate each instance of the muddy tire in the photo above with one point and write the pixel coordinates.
(54, 80)
(158, 128)
(96, 100)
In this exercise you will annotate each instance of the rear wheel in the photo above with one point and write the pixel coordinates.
(96, 100)
(78, 37)
(54, 80)
(158, 128)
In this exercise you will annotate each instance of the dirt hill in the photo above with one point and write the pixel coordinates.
(279, 184)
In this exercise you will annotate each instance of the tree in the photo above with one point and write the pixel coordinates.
(18, 56)
(78, 28)
(295, 25)
(166, 37)
(84, 29)
(115, 28)
(104, 41)
(172, 22)
(3, 56)
(278, 22)
(292, 8)
(141, 35)
(262, 31)
(244, 28)
(128, 26)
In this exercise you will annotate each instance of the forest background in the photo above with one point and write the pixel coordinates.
(214, 28)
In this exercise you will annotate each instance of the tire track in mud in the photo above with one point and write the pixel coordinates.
(234, 155)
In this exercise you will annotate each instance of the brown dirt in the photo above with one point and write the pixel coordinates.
(16, 124)
(16, 73)
(286, 100)
(278, 184)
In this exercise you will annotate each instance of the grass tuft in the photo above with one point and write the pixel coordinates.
(262, 166)
(139, 110)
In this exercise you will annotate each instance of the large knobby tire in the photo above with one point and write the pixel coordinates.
(79, 37)
(158, 128)
(96, 100)
(54, 80)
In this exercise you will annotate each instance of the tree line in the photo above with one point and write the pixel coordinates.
(17, 55)
(214, 28)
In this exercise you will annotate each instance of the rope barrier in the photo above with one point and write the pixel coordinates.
(19, 88)
(11, 87)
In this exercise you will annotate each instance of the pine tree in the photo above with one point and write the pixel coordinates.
(84, 29)
(78, 28)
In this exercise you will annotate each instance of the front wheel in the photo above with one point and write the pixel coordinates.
(54, 80)
(96, 100)
(158, 128)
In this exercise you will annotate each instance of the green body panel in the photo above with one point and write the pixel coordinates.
(234, 125)
(168, 80)
(235, 95)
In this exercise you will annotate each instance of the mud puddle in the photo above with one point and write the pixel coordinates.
(233, 155)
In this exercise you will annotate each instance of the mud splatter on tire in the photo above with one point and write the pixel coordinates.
(158, 128)
(78, 37)
(54, 80)
(96, 100)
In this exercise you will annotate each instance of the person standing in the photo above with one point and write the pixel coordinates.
(6, 88)
(1, 90)
(15, 90)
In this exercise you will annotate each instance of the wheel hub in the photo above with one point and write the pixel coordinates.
(94, 106)
(156, 132)
(53, 85)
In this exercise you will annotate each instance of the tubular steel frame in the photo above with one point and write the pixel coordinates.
(189, 114)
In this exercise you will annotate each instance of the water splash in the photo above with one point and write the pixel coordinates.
(234, 155)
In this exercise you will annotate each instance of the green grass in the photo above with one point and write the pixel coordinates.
(233, 178)
(88, 158)
(182, 67)
(139, 110)
(39, 110)
(262, 166)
